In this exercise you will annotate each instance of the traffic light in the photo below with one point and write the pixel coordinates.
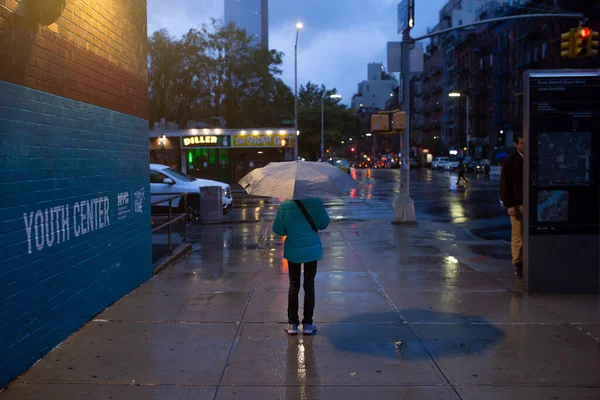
(580, 38)
(352, 149)
(567, 43)
(592, 43)
(579, 43)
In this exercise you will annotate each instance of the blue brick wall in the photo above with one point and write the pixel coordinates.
(61, 159)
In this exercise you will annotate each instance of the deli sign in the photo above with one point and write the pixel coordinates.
(206, 141)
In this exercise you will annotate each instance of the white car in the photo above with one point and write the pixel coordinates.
(439, 162)
(451, 165)
(165, 181)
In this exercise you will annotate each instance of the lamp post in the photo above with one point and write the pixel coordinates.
(333, 96)
(298, 27)
(456, 94)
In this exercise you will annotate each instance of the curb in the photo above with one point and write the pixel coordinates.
(178, 254)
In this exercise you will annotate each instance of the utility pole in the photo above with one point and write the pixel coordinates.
(404, 208)
(298, 27)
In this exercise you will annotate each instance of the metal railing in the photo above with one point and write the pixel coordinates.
(172, 220)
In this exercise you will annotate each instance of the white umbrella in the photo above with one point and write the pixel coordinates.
(295, 180)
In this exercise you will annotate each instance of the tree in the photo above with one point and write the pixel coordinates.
(216, 71)
(340, 121)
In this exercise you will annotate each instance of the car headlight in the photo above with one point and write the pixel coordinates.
(227, 192)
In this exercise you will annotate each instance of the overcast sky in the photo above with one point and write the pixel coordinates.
(339, 39)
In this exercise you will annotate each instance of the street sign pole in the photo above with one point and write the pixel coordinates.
(404, 208)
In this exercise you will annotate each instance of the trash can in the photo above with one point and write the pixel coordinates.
(211, 204)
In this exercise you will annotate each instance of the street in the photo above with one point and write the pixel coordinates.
(478, 208)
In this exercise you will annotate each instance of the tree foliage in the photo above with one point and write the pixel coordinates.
(340, 121)
(216, 71)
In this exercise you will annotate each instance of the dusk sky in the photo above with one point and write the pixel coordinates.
(339, 39)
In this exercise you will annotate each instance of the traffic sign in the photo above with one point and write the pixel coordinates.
(287, 122)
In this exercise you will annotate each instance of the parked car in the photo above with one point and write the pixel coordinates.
(414, 163)
(341, 163)
(165, 181)
(439, 162)
(363, 164)
(471, 164)
(483, 167)
(452, 164)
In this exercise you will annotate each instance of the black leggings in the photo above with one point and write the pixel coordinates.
(310, 270)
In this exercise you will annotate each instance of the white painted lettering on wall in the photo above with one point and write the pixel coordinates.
(138, 200)
(123, 209)
(50, 226)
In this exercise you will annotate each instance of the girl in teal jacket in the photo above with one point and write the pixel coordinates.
(302, 246)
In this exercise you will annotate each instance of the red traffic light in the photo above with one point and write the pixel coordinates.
(352, 149)
(585, 33)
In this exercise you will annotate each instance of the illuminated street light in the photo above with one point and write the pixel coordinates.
(298, 27)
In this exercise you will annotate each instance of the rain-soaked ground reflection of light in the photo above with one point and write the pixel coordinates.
(457, 212)
(302, 369)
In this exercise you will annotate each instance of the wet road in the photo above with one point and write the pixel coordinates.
(436, 197)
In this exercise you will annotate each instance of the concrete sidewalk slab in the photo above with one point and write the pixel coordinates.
(526, 393)
(56, 391)
(341, 392)
(403, 312)
(512, 354)
(178, 306)
(340, 354)
(143, 353)
(460, 307)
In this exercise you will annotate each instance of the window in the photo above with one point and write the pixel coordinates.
(536, 53)
(470, 6)
(177, 175)
(481, 63)
(460, 22)
(544, 48)
(157, 177)
(491, 60)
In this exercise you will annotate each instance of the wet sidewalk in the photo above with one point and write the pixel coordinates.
(422, 312)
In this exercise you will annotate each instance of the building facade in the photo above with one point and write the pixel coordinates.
(225, 155)
(75, 201)
(374, 92)
(252, 16)
(487, 63)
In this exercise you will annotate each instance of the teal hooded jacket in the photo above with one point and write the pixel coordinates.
(302, 243)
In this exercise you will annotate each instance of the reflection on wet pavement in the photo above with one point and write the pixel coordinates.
(419, 312)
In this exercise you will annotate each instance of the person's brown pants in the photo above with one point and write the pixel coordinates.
(517, 235)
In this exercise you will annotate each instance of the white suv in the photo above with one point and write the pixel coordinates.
(439, 162)
(165, 181)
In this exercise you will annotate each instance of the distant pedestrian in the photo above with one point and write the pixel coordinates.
(511, 193)
(461, 173)
(300, 221)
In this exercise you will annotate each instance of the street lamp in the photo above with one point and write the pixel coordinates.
(456, 94)
(298, 27)
(333, 96)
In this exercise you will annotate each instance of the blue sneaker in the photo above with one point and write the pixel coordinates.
(309, 329)
(291, 329)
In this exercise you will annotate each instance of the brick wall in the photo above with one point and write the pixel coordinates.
(96, 53)
(75, 224)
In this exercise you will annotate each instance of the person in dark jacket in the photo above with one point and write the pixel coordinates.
(461, 173)
(302, 246)
(511, 194)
